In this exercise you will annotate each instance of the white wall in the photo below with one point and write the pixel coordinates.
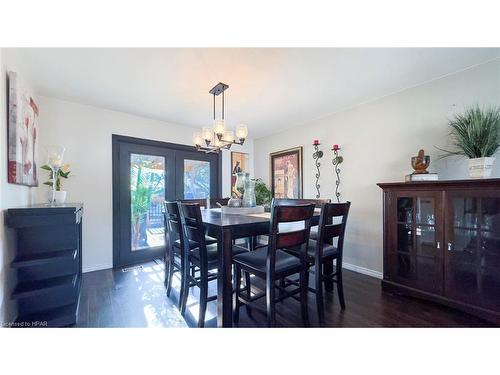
(377, 140)
(10, 196)
(86, 133)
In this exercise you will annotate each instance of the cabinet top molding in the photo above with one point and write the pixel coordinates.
(469, 183)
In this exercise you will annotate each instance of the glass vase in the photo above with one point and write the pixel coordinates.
(55, 156)
(239, 185)
(249, 194)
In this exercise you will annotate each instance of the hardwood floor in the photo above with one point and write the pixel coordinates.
(137, 298)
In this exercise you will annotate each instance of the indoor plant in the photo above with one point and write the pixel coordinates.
(262, 193)
(476, 135)
(63, 172)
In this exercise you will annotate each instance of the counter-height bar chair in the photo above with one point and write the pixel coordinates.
(174, 256)
(272, 263)
(203, 256)
(328, 247)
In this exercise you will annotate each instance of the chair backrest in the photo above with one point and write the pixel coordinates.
(193, 227)
(284, 212)
(201, 202)
(173, 225)
(328, 230)
(317, 202)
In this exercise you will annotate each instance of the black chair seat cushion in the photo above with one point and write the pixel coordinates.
(328, 251)
(256, 260)
(194, 244)
(212, 252)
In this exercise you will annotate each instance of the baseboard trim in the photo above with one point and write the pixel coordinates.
(97, 267)
(347, 266)
(363, 270)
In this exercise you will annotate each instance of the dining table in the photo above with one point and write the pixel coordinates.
(226, 228)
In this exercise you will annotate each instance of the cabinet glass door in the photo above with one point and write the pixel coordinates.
(415, 257)
(472, 261)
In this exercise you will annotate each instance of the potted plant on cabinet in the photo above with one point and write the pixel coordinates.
(63, 172)
(476, 135)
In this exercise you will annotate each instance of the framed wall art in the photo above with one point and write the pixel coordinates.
(22, 133)
(286, 173)
(239, 163)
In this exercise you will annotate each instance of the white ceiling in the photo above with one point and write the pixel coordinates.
(270, 89)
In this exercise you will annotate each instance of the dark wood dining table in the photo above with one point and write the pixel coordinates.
(226, 228)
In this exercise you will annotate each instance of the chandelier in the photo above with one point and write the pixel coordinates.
(217, 138)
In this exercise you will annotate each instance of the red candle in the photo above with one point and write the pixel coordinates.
(336, 148)
(315, 142)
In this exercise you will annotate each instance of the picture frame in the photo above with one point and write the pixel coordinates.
(239, 162)
(22, 133)
(286, 173)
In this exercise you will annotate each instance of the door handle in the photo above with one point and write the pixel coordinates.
(438, 245)
(449, 246)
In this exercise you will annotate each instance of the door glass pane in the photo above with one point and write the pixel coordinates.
(489, 277)
(465, 241)
(405, 210)
(147, 193)
(490, 251)
(425, 211)
(425, 241)
(404, 266)
(405, 238)
(465, 212)
(491, 214)
(196, 179)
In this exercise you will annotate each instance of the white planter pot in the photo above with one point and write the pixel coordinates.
(480, 167)
(60, 197)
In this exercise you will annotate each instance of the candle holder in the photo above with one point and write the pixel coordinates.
(337, 159)
(318, 154)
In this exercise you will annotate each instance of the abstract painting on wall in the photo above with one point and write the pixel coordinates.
(286, 173)
(22, 133)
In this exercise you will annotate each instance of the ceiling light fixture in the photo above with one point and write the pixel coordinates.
(219, 138)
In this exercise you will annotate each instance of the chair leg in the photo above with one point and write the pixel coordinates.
(328, 270)
(319, 294)
(166, 261)
(340, 286)
(304, 275)
(203, 299)
(170, 274)
(282, 284)
(185, 287)
(248, 289)
(237, 286)
(182, 291)
(270, 301)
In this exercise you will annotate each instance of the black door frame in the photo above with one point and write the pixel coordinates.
(120, 139)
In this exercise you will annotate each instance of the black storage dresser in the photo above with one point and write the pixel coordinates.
(48, 261)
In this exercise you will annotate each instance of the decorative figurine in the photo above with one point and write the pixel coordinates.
(421, 162)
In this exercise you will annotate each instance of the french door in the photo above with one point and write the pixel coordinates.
(146, 173)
